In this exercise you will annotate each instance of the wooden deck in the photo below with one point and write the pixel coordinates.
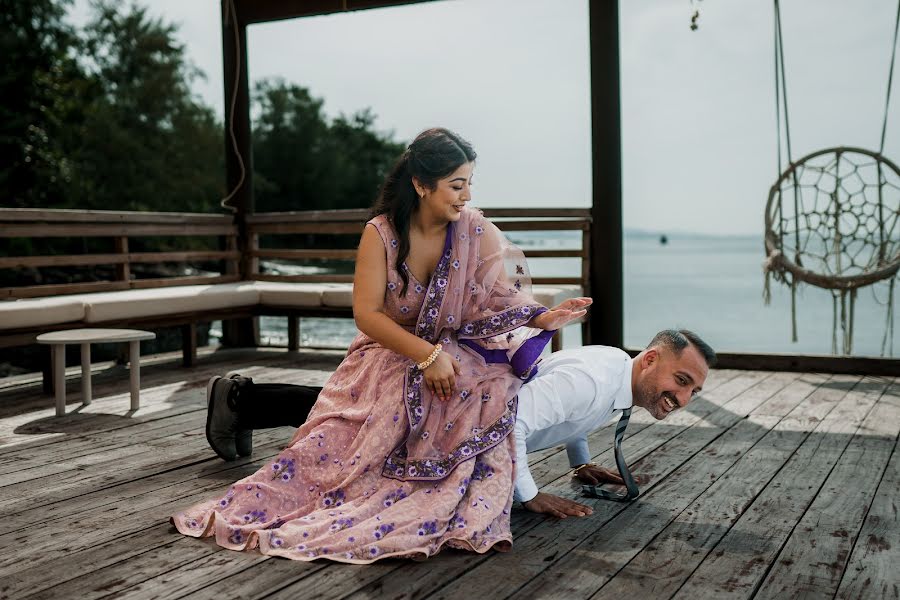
(768, 485)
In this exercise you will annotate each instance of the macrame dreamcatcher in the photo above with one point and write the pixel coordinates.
(833, 218)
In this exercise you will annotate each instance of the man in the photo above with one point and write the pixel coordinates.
(574, 393)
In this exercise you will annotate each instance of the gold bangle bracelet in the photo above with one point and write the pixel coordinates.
(431, 358)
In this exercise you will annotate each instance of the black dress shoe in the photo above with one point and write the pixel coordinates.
(221, 418)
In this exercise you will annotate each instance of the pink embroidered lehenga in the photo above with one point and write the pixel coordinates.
(381, 468)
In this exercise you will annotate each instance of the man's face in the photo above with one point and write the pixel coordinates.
(668, 381)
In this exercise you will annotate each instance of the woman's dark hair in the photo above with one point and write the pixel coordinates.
(433, 155)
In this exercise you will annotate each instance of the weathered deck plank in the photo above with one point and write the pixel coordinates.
(745, 554)
(694, 533)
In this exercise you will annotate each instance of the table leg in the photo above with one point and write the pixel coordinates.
(86, 373)
(134, 358)
(59, 377)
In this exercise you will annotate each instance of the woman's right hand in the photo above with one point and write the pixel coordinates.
(440, 376)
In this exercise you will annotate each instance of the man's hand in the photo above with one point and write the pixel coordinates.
(561, 508)
(595, 475)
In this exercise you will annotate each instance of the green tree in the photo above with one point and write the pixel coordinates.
(40, 87)
(302, 160)
(146, 143)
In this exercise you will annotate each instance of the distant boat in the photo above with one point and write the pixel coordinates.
(663, 239)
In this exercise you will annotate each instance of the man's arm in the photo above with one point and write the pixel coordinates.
(527, 492)
(579, 452)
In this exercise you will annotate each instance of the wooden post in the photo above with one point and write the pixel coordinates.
(59, 377)
(123, 271)
(606, 157)
(86, 373)
(238, 155)
(134, 373)
(189, 344)
(293, 333)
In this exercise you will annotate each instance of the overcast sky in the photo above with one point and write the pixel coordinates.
(512, 76)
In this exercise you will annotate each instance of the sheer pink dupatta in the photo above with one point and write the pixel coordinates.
(476, 306)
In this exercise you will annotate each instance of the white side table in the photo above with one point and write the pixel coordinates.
(86, 337)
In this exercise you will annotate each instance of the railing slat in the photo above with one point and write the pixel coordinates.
(111, 230)
(109, 216)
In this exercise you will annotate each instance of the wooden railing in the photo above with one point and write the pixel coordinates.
(351, 222)
(121, 226)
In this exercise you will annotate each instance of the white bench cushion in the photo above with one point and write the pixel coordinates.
(35, 312)
(130, 304)
(551, 295)
(274, 293)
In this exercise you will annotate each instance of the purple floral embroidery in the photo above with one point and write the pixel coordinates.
(425, 435)
(450, 319)
(485, 396)
(457, 522)
(394, 497)
(482, 471)
(419, 288)
(428, 528)
(479, 230)
(383, 530)
(463, 486)
(341, 524)
(283, 469)
(455, 264)
(255, 516)
(276, 541)
(404, 309)
(464, 394)
(334, 498)
(392, 286)
(520, 270)
(448, 426)
(518, 284)
(398, 467)
(236, 536)
(393, 243)
(473, 289)
(502, 323)
(442, 282)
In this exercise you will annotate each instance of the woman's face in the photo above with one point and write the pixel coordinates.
(449, 197)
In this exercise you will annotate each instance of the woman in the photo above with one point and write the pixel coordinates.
(409, 445)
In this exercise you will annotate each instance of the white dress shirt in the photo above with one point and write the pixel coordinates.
(574, 392)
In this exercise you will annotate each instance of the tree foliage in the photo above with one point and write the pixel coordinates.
(104, 118)
(303, 160)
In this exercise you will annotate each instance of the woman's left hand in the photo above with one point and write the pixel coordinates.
(562, 314)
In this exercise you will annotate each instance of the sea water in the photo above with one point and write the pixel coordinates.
(712, 285)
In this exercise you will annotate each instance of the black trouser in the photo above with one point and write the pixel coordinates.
(262, 405)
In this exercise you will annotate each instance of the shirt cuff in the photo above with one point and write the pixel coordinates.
(526, 488)
(579, 452)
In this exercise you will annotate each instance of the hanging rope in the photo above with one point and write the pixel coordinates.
(231, 16)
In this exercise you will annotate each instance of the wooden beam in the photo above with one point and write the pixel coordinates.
(606, 152)
(238, 150)
(263, 11)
